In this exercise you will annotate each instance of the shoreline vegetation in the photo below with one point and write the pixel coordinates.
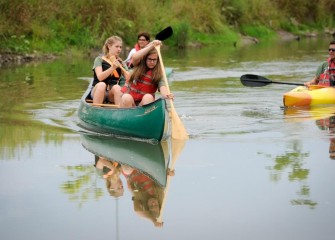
(35, 30)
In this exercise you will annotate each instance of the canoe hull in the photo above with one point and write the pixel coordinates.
(146, 122)
(302, 96)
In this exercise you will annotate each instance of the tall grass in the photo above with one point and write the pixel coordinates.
(59, 25)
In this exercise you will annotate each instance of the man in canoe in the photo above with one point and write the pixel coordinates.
(146, 78)
(325, 74)
(107, 73)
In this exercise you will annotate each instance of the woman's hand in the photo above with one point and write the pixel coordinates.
(169, 96)
(314, 81)
(153, 44)
(116, 63)
(156, 43)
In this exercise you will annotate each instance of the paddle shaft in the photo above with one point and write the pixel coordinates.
(286, 83)
(163, 69)
(178, 130)
(110, 62)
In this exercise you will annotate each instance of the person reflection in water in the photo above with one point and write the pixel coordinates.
(147, 194)
(111, 173)
(329, 124)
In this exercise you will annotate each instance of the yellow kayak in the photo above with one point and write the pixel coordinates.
(313, 95)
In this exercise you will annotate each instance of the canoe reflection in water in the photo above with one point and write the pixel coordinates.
(144, 167)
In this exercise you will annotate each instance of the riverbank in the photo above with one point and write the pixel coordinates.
(18, 59)
(7, 58)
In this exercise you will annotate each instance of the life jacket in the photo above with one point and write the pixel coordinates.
(140, 182)
(141, 87)
(111, 80)
(328, 74)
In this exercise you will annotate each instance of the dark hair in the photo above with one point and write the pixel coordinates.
(142, 68)
(144, 34)
(332, 42)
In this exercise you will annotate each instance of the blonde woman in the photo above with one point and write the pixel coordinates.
(108, 69)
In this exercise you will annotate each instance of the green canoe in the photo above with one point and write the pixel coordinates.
(151, 160)
(145, 122)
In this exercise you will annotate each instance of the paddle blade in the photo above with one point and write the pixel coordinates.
(177, 147)
(178, 130)
(251, 80)
(164, 34)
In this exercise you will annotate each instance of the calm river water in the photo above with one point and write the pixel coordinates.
(251, 170)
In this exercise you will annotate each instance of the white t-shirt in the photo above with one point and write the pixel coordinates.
(131, 53)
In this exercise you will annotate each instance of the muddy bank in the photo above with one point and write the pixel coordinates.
(17, 59)
(285, 36)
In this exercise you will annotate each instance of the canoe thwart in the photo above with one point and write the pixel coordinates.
(105, 105)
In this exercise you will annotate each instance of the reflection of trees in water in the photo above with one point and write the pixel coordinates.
(293, 162)
(83, 184)
(19, 136)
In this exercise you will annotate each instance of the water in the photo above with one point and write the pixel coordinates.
(251, 170)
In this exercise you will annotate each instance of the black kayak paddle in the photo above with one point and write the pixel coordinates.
(251, 80)
(164, 34)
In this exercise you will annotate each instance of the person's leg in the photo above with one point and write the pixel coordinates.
(99, 92)
(147, 98)
(114, 95)
(127, 101)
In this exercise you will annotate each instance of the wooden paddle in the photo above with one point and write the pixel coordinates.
(176, 147)
(110, 63)
(178, 130)
(251, 80)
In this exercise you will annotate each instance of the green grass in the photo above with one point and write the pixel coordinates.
(54, 26)
(258, 31)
